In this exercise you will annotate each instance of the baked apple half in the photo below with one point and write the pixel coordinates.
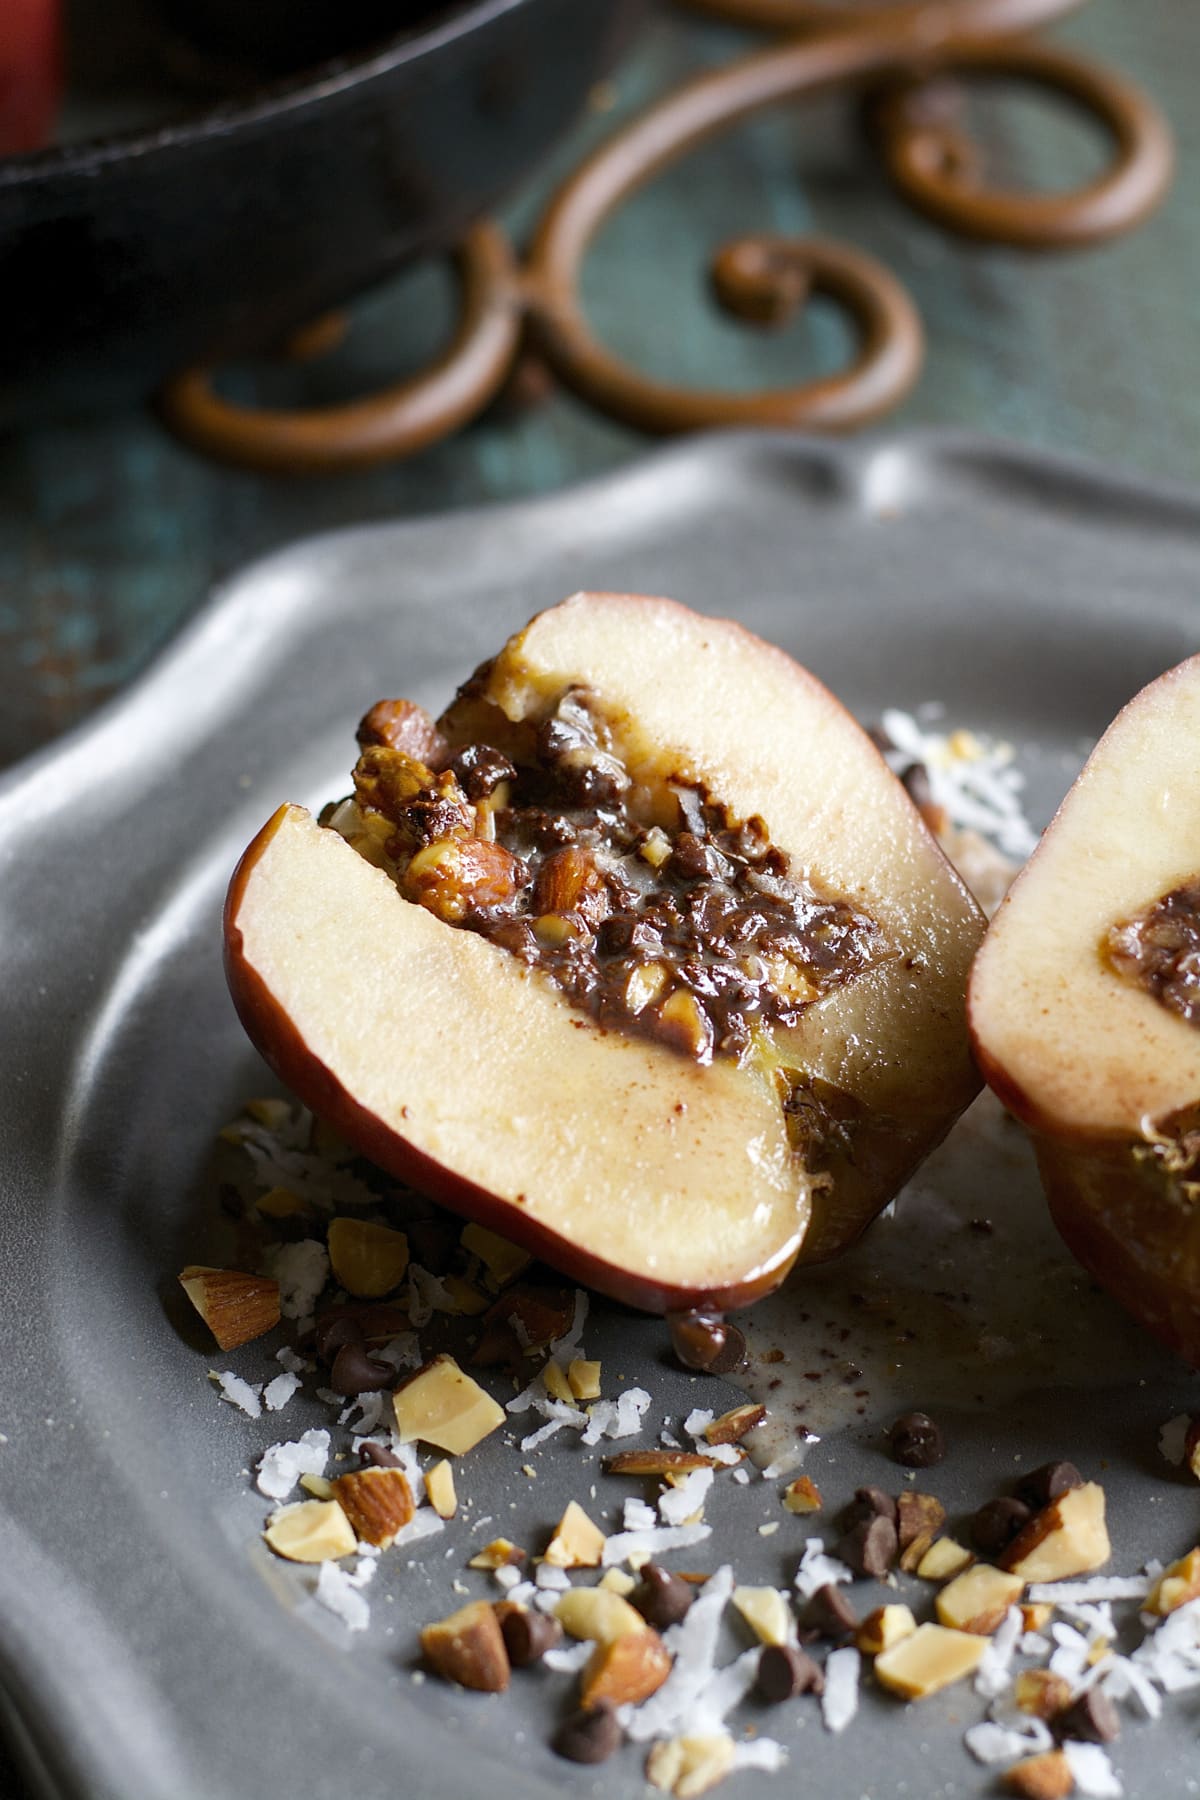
(1085, 1009)
(640, 956)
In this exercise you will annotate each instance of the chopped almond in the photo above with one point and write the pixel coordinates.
(439, 1485)
(311, 1531)
(927, 1660)
(802, 1495)
(918, 1515)
(1042, 1693)
(689, 1766)
(598, 1614)
(577, 1543)
(377, 1502)
(766, 1611)
(1036, 1614)
(616, 1581)
(583, 1378)
(1045, 1777)
(658, 1462)
(1176, 1585)
(468, 1647)
(501, 1553)
(944, 1558)
(368, 1260)
(978, 1599)
(733, 1425)
(627, 1670)
(557, 1385)
(235, 1306)
(442, 1406)
(1068, 1537)
(503, 1260)
(883, 1628)
(281, 1203)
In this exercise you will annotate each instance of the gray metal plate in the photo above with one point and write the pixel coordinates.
(148, 1645)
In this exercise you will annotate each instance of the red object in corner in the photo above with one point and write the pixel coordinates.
(30, 72)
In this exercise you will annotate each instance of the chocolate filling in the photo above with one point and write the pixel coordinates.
(660, 913)
(1159, 949)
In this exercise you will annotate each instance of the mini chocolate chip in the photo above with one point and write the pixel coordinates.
(333, 1329)
(699, 1339)
(662, 1598)
(1043, 1485)
(871, 1547)
(589, 1735)
(868, 1503)
(784, 1672)
(995, 1525)
(830, 1614)
(480, 769)
(528, 1635)
(354, 1372)
(916, 1441)
(1092, 1717)
(378, 1455)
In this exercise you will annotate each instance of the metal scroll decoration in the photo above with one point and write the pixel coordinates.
(895, 53)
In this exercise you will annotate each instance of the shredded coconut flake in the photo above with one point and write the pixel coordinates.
(973, 778)
(338, 1591)
(288, 1359)
(818, 1570)
(1093, 1772)
(301, 1270)
(1097, 1587)
(994, 1673)
(240, 1393)
(693, 1644)
(839, 1702)
(654, 1543)
(678, 1504)
(637, 1516)
(424, 1523)
(281, 1467)
(570, 1658)
(791, 1459)
(277, 1393)
(990, 1742)
(1172, 1439)
(760, 1753)
(697, 1421)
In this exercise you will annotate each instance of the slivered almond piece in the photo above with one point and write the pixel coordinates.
(929, 1659)
(1068, 1537)
(1042, 1693)
(944, 1558)
(883, 1628)
(583, 1378)
(598, 1614)
(501, 1553)
(557, 1385)
(1036, 1614)
(468, 1647)
(1176, 1585)
(1045, 1777)
(802, 1495)
(658, 1462)
(918, 1515)
(368, 1260)
(311, 1531)
(442, 1406)
(766, 1611)
(689, 1766)
(503, 1260)
(235, 1306)
(733, 1425)
(377, 1502)
(439, 1485)
(627, 1670)
(577, 1543)
(978, 1599)
(912, 1558)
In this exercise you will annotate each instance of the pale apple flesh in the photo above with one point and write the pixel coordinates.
(1104, 1074)
(623, 1163)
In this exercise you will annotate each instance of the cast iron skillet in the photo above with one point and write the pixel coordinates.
(125, 260)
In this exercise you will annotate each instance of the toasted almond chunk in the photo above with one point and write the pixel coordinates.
(1036, 1614)
(1176, 1585)
(733, 1425)
(281, 1203)
(883, 1628)
(1044, 1777)
(368, 1260)
(929, 1659)
(597, 1613)
(617, 1581)
(468, 1647)
(377, 1502)
(235, 1306)
(557, 1385)
(577, 1543)
(802, 1495)
(944, 1558)
(318, 1486)
(1068, 1537)
(467, 1301)
(689, 1766)
(912, 1557)
(918, 1515)
(503, 1260)
(978, 1599)
(766, 1611)
(501, 1553)
(658, 1462)
(583, 1378)
(442, 1406)
(627, 1670)
(311, 1531)
(439, 1485)
(1042, 1693)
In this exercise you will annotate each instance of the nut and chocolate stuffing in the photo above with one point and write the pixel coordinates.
(653, 909)
(1159, 949)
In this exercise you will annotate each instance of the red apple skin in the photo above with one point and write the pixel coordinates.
(280, 1045)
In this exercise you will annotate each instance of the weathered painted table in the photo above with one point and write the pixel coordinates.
(111, 534)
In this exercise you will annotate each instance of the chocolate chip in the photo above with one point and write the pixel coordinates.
(784, 1672)
(830, 1614)
(1092, 1717)
(589, 1735)
(378, 1455)
(480, 770)
(354, 1372)
(916, 1441)
(432, 1243)
(995, 1525)
(1043, 1485)
(703, 1340)
(871, 1547)
(333, 1329)
(662, 1598)
(868, 1503)
(528, 1635)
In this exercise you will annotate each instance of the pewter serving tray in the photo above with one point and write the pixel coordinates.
(150, 1647)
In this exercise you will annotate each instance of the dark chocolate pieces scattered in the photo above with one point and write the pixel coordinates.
(355, 1371)
(1043, 1485)
(784, 1672)
(590, 1735)
(662, 1599)
(916, 1442)
(870, 1547)
(528, 1635)
(829, 1614)
(997, 1523)
(1092, 1718)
